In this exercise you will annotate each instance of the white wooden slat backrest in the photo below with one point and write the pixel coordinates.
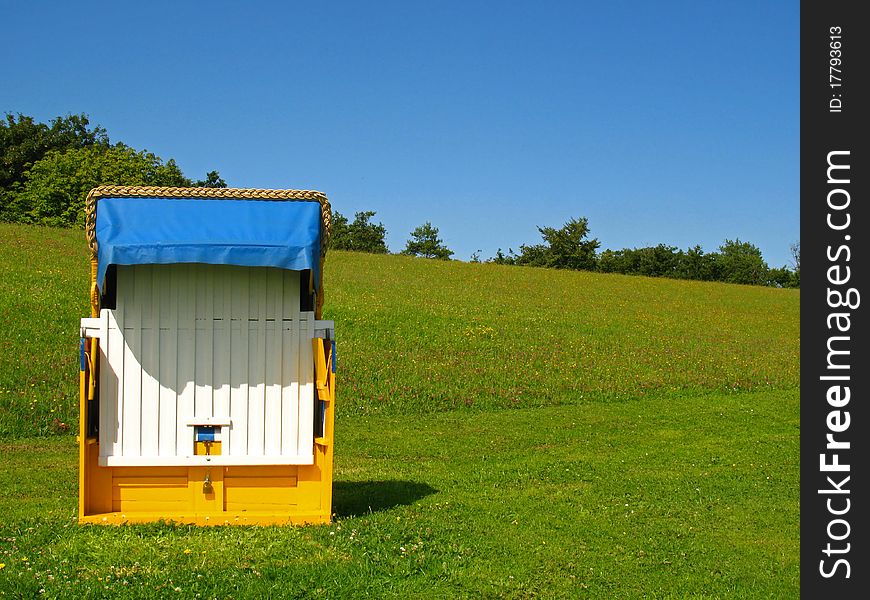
(192, 344)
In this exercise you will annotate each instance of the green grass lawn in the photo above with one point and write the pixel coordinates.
(502, 432)
(618, 500)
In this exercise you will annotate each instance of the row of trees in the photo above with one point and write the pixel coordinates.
(47, 169)
(735, 262)
(362, 235)
(570, 247)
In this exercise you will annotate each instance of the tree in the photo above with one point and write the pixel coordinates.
(782, 277)
(212, 179)
(24, 141)
(796, 259)
(501, 258)
(652, 261)
(695, 264)
(534, 255)
(741, 262)
(367, 236)
(565, 248)
(612, 261)
(360, 236)
(425, 242)
(569, 247)
(56, 186)
(658, 261)
(339, 238)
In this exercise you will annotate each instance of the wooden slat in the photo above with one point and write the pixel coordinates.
(132, 423)
(117, 358)
(204, 354)
(204, 461)
(254, 499)
(155, 507)
(260, 482)
(260, 471)
(257, 365)
(273, 360)
(150, 392)
(145, 493)
(168, 282)
(151, 481)
(186, 360)
(291, 295)
(273, 292)
(306, 386)
(224, 278)
(259, 493)
(158, 492)
(109, 385)
(240, 342)
(290, 365)
(146, 472)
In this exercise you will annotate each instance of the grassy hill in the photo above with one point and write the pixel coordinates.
(502, 431)
(420, 336)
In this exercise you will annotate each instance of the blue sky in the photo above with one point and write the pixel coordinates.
(662, 122)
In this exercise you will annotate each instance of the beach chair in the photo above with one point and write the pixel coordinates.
(207, 375)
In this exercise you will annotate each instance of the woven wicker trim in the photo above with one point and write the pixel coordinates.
(128, 191)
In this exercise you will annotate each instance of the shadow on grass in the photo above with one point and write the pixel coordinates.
(356, 498)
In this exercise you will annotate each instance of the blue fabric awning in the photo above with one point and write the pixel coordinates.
(251, 233)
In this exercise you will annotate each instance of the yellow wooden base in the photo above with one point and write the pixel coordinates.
(215, 495)
(234, 495)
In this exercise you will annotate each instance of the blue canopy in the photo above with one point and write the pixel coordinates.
(250, 233)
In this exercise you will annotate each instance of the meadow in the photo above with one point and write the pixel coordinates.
(501, 432)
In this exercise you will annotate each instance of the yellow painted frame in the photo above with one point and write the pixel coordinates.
(238, 495)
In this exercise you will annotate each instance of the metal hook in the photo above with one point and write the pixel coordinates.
(207, 487)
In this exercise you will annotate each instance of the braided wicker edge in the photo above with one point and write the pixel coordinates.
(128, 191)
